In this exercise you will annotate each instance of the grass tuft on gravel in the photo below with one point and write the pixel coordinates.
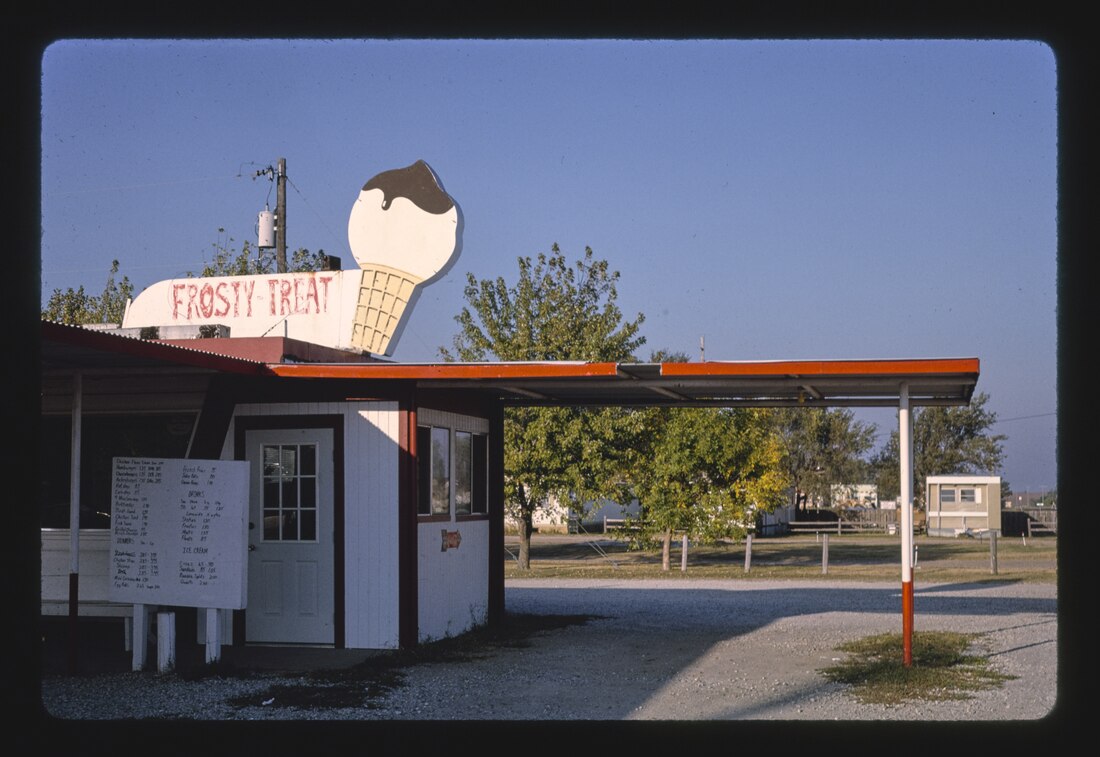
(944, 667)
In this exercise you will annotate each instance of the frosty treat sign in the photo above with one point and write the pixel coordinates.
(179, 532)
(404, 231)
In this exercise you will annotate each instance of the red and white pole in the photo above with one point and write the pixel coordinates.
(905, 504)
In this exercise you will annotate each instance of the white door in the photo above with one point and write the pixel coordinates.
(291, 554)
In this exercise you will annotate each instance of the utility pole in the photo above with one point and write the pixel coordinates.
(280, 218)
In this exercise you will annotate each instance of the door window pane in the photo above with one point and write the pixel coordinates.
(289, 487)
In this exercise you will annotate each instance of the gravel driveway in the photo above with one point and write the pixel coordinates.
(683, 650)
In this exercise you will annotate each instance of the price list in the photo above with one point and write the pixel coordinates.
(178, 532)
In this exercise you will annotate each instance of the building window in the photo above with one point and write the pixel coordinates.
(464, 472)
(433, 451)
(967, 496)
(452, 471)
(947, 496)
(479, 503)
(290, 492)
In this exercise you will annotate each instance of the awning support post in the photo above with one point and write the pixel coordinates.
(74, 520)
(905, 455)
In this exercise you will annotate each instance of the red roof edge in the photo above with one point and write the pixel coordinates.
(124, 345)
(901, 367)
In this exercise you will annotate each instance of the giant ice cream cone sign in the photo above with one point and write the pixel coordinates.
(405, 232)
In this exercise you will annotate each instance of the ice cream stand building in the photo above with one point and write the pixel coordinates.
(375, 513)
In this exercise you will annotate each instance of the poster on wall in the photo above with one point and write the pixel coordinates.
(179, 532)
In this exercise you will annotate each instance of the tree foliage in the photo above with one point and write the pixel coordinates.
(946, 441)
(700, 472)
(705, 472)
(75, 307)
(822, 448)
(250, 261)
(555, 310)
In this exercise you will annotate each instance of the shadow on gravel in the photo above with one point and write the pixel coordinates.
(667, 633)
(630, 643)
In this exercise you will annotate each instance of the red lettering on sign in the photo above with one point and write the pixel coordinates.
(311, 294)
(271, 286)
(206, 301)
(192, 293)
(236, 298)
(284, 297)
(249, 286)
(324, 292)
(219, 290)
(176, 301)
(297, 296)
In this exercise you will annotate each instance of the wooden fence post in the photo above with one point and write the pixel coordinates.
(684, 554)
(748, 552)
(824, 554)
(993, 551)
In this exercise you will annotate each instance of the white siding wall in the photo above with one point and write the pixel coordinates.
(370, 513)
(453, 585)
(95, 552)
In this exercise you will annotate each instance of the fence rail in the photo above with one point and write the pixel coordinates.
(835, 526)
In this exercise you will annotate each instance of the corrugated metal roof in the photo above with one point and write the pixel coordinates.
(65, 348)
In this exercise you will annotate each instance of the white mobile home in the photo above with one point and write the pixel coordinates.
(963, 504)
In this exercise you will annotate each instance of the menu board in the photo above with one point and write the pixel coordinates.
(179, 532)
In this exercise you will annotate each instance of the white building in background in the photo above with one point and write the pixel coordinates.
(554, 517)
(963, 504)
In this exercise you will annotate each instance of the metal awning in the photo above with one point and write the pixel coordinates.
(814, 383)
(721, 383)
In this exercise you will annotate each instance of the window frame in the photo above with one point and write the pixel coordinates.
(427, 508)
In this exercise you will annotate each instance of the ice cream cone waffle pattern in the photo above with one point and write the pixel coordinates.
(383, 296)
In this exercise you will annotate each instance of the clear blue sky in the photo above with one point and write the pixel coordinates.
(781, 199)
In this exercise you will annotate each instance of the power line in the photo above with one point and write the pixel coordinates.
(342, 245)
(141, 186)
(1024, 417)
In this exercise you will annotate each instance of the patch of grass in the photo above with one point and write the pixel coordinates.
(364, 684)
(943, 668)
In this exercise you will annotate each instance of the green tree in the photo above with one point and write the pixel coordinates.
(75, 307)
(556, 310)
(822, 448)
(250, 261)
(704, 473)
(946, 441)
(700, 472)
